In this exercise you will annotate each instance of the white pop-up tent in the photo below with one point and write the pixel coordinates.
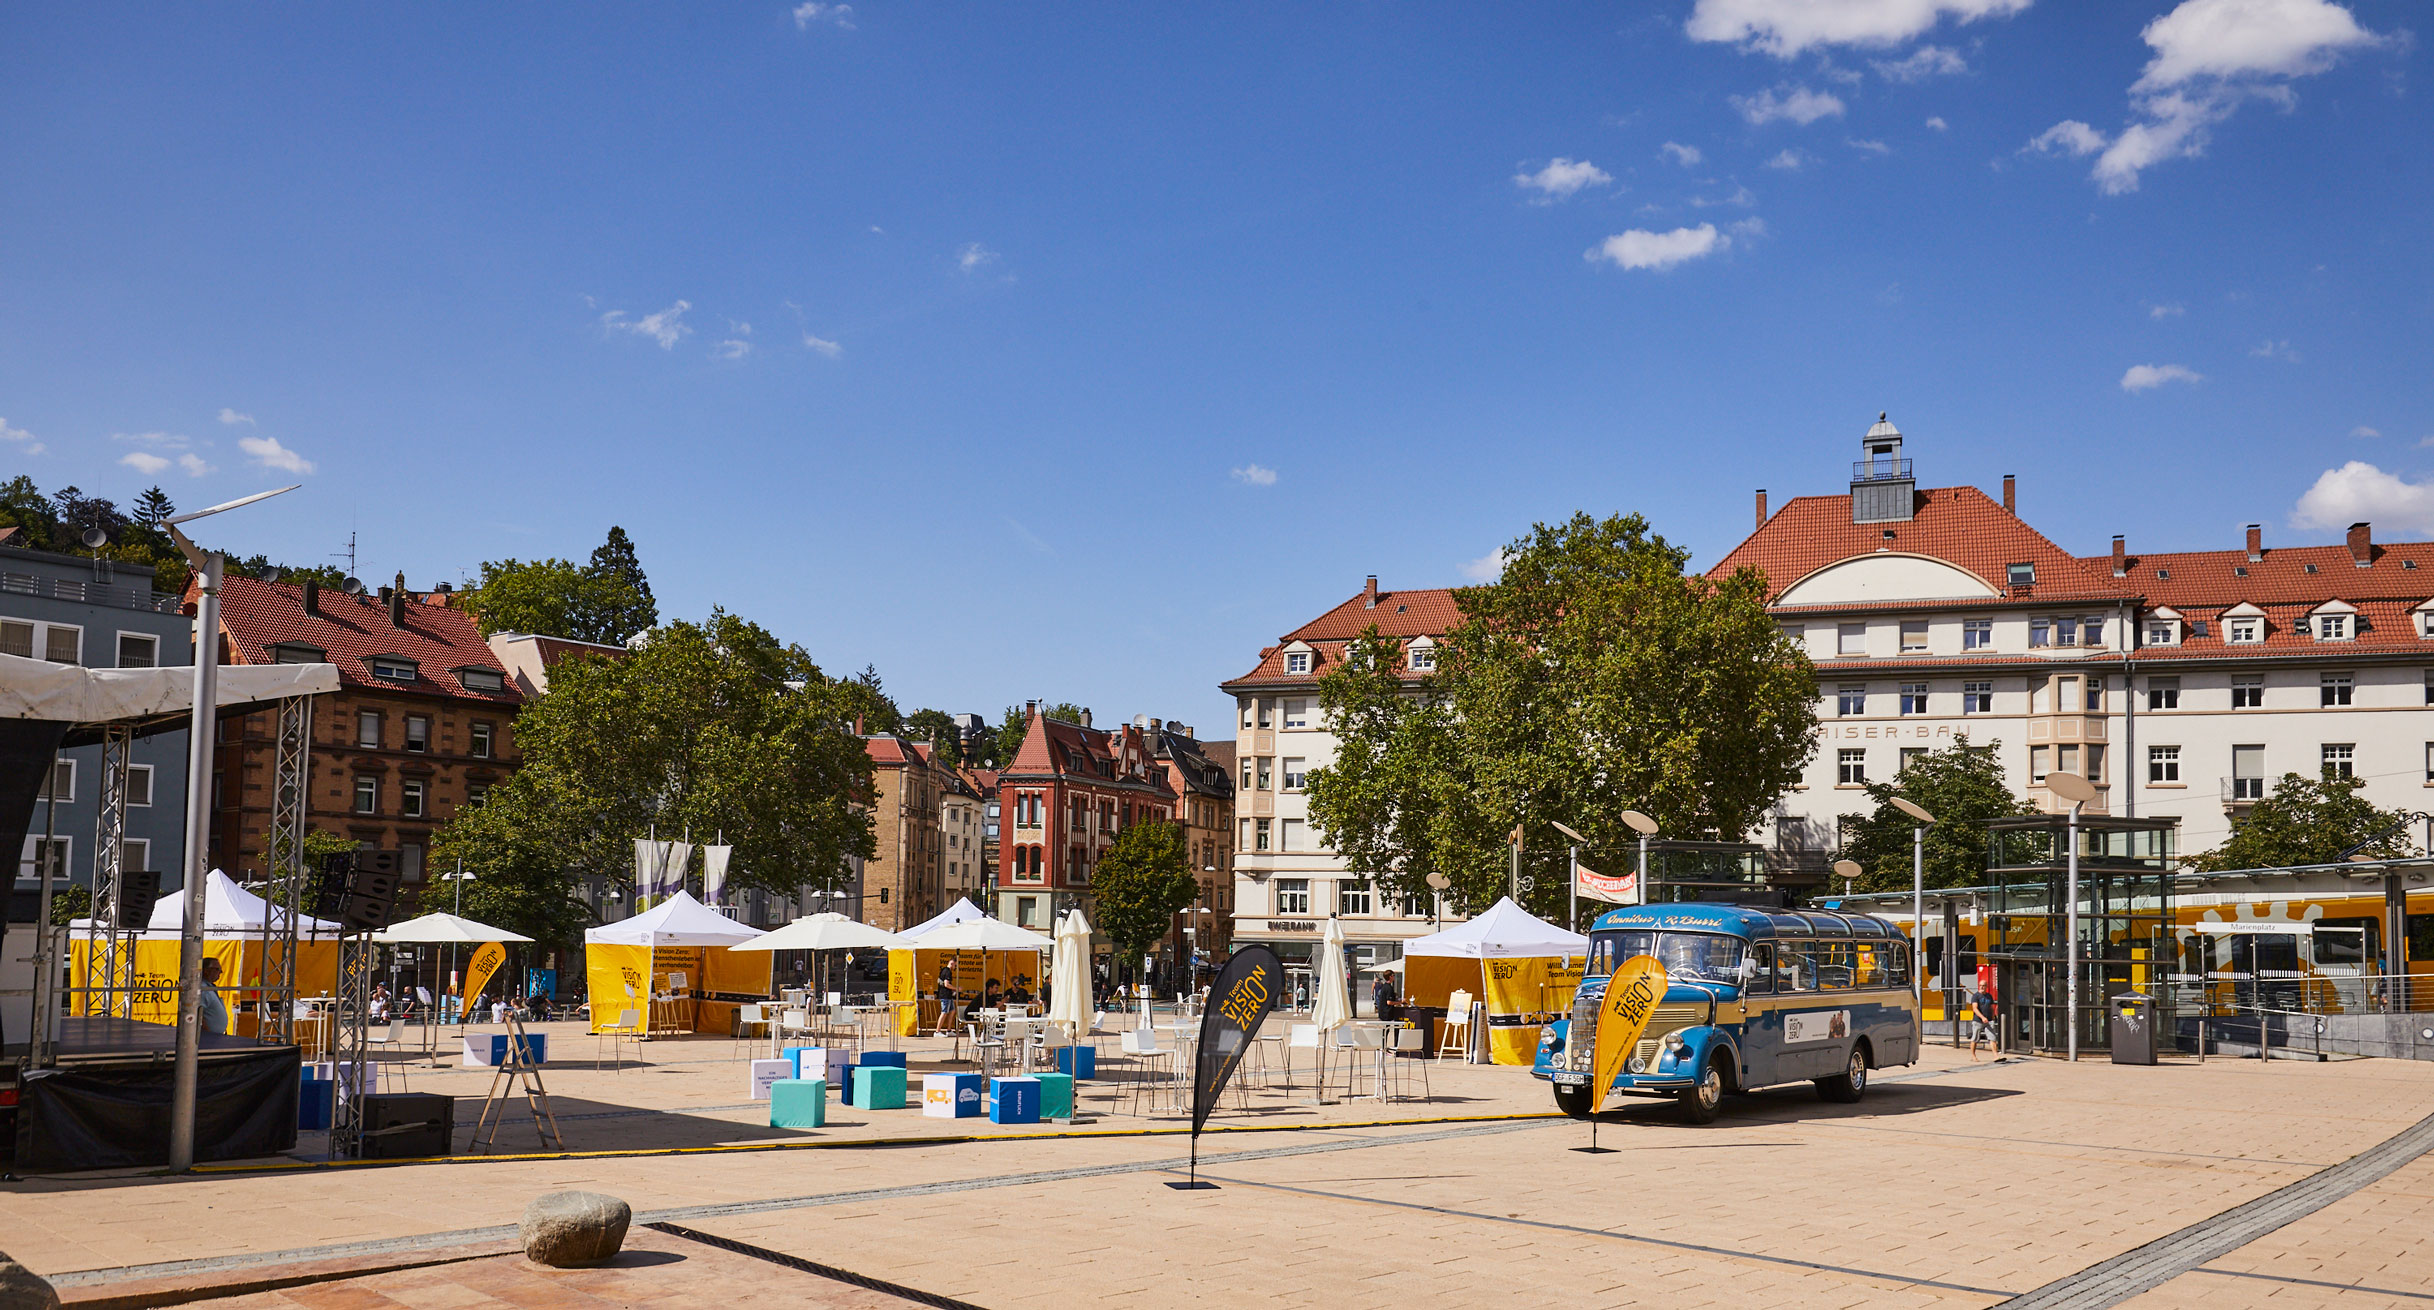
(964, 939)
(962, 911)
(1519, 965)
(228, 911)
(671, 951)
(71, 693)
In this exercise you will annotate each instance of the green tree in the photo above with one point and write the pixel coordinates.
(712, 727)
(1016, 725)
(2307, 821)
(620, 594)
(1139, 884)
(1595, 676)
(153, 506)
(25, 508)
(70, 903)
(938, 726)
(867, 702)
(1963, 787)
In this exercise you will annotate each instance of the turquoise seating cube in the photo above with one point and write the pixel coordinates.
(878, 1087)
(1078, 1061)
(1014, 1100)
(798, 1103)
(1056, 1095)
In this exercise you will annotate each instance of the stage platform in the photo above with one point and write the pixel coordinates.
(105, 1104)
(105, 1037)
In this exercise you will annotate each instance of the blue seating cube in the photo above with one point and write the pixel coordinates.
(315, 1102)
(1056, 1095)
(951, 1095)
(798, 1103)
(878, 1087)
(1014, 1100)
(894, 1059)
(793, 1055)
(1078, 1061)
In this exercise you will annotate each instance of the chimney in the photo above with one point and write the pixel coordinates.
(857, 725)
(2121, 566)
(1085, 718)
(1031, 709)
(2362, 544)
(2010, 484)
(312, 598)
(397, 608)
(2256, 542)
(1762, 507)
(1369, 594)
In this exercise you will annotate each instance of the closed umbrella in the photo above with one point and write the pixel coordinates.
(1069, 976)
(1333, 1008)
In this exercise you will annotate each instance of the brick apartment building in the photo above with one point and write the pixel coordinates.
(903, 883)
(1202, 776)
(423, 722)
(1062, 800)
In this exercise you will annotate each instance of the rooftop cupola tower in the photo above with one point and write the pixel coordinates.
(1882, 489)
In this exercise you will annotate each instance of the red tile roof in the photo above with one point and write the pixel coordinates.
(439, 639)
(1407, 614)
(1961, 526)
(1055, 747)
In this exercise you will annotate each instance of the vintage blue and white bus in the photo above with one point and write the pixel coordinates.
(1754, 998)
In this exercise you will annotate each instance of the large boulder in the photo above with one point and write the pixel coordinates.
(567, 1230)
(23, 1289)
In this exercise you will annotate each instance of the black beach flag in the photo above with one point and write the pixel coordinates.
(1246, 989)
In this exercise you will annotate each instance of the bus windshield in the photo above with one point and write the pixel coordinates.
(1695, 956)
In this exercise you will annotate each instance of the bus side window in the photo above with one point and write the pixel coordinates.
(1897, 964)
(1762, 973)
(1836, 964)
(1792, 971)
(1871, 964)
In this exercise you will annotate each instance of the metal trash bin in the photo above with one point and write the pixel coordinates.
(2132, 1028)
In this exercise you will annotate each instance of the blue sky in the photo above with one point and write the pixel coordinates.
(1077, 351)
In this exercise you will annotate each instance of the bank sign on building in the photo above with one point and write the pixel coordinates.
(2181, 683)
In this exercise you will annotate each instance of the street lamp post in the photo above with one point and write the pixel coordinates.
(1646, 828)
(1918, 896)
(1572, 877)
(1848, 871)
(2078, 791)
(460, 878)
(186, 1075)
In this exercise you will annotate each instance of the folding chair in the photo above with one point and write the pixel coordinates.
(629, 1024)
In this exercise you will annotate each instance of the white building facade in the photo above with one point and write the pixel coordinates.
(2182, 684)
(1287, 882)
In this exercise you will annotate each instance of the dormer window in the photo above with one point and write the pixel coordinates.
(1423, 657)
(482, 680)
(391, 669)
(1297, 661)
(2332, 627)
(2243, 632)
(296, 652)
(2021, 575)
(2163, 632)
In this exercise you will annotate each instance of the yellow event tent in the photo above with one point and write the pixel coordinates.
(981, 950)
(635, 962)
(232, 934)
(1524, 968)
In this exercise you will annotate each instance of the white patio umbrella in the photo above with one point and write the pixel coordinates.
(444, 927)
(828, 931)
(1069, 976)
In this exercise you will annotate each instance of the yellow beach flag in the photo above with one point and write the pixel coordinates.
(1631, 997)
(486, 961)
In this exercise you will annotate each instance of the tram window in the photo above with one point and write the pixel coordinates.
(2269, 952)
(2345, 941)
(1792, 967)
(1969, 956)
(2421, 938)
(1837, 964)
(1935, 957)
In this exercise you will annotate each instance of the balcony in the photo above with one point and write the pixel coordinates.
(90, 593)
(1880, 470)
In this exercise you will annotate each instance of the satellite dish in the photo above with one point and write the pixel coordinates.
(1568, 832)
(1439, 881)
(1847, 869)
(2070, 787)
(1640, 823)
(96, 538)
(352, 586)
(273, 573)
(1913, 809)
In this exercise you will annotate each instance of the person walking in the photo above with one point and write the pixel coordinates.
(1982, 1023)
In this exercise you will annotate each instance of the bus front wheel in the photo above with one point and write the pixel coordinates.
(1852, 1082)
(1574, 1101)
(1701, 1102)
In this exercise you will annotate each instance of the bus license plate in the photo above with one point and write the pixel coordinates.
(1563, 1079)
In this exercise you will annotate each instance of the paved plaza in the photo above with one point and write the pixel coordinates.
(1951, 1184)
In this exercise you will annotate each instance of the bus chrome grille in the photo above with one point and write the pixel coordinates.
(1580, 1044)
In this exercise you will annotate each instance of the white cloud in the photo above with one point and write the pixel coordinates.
(2147, 377)
(1741, 195)
(20, 438)
(731, 348)
(2210, 57)
(2172, 310)
(156, 440)
(1681, 154)
(1920, 64)
(267, 452)
(1789, 160)
(2274, 350)
(972, 255)
(195, 467)
(1748, 228)
(1639, 248)
(812, 11)
(2359, 492)
(1784, 28)
(146, 464)
(1255, 475)
(1872, 147)
(1486, 568)
(2364, 431)
(825, 347)
(1937, 122)
(1561, 179)
(230, 416)
(1795, 103)
(666, 327)
(2068, 137)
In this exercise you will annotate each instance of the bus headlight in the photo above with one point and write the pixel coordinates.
(1635, 1065)
(1675, 1044)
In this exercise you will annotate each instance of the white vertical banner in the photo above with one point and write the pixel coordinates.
(714, 872)
(647, 858)
(680, 857)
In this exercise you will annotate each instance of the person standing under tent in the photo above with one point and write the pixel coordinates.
(215, 1010)
(1383, 997)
